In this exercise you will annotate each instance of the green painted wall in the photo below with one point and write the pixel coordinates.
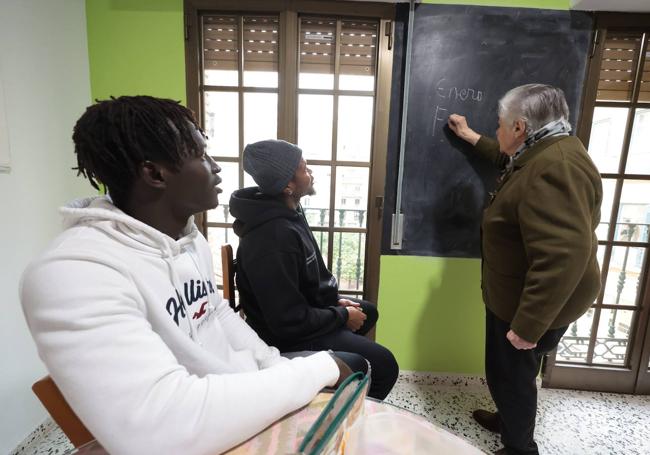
(136, 47)
(431, 315)
(431, 309)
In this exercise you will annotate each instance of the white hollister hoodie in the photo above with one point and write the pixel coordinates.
(131, 328)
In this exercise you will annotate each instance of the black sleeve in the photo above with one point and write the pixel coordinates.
(274, 280)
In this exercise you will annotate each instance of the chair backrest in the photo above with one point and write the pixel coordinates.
(228, 267)
(61, 412)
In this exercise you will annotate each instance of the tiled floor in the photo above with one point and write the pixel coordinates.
(46, 439)
(568, 422)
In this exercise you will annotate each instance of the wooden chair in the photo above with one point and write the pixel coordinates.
(228, 267)
(51, 397)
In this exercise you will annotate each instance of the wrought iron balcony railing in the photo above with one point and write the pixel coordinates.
(574, 349)
(349, 247)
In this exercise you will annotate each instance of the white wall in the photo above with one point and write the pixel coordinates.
(44, 71)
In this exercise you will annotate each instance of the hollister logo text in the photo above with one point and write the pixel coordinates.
(194, 290)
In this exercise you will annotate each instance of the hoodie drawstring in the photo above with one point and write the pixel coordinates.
(167, 256)
(198, 269)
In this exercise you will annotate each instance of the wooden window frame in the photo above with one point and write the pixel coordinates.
(599, 377)
(288, 11)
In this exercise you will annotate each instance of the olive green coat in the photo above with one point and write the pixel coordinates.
(539, 269)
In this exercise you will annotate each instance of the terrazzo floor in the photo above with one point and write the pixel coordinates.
(568, 422)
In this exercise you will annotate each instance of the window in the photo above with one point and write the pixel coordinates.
(607, 342)
(310, 77)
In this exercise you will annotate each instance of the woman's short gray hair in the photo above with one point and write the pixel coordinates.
(535, 104)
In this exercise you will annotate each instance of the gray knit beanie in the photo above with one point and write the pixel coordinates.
(272, 164)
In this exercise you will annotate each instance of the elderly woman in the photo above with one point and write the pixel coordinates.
(539, 269)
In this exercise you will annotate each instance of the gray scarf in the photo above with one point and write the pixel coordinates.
(558, 127)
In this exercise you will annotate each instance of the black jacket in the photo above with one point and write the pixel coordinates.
(288, 294)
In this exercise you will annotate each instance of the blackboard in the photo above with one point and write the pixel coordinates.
(465, 58)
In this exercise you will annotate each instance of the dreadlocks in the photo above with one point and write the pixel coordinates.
(114, 137)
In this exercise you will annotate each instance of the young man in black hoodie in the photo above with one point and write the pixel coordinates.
(289, 296)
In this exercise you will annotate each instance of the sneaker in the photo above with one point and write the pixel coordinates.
(488, 420)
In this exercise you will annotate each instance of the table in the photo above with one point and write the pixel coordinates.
(285, 436)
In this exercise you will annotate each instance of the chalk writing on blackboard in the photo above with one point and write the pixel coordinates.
(440, 115)
(452, 93)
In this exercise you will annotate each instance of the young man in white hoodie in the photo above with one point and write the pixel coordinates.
(123, 305)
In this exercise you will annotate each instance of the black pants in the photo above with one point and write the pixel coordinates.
(384, 368)
(510, 375)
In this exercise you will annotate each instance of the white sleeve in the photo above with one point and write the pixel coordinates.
(122, 380)
(238, 332)
(242, 336)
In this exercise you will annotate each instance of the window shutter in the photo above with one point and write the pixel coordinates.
(618, 65)
(220, 49)
(317, 45)
(221, 43)
(260, 43)
(358, 42)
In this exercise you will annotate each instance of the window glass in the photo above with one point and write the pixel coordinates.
(315, 126)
